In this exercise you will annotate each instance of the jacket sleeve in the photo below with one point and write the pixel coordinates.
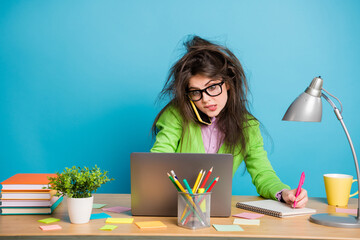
(263, 175)
(169, 133)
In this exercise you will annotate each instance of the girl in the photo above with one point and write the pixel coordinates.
(208, 113)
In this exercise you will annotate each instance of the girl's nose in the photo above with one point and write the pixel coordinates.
(205, 97)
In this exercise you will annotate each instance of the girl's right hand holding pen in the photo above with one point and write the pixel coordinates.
(289, 197)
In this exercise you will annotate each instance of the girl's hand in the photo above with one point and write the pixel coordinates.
(289, 197)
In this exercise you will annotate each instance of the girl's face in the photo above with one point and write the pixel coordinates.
(209, 105)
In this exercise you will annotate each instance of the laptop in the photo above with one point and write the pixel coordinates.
(153, 193)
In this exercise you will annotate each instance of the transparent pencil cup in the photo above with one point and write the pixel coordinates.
(194, 210)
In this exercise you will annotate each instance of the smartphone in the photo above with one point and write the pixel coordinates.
(202, 117)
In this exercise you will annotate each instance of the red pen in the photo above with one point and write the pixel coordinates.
(301, 182)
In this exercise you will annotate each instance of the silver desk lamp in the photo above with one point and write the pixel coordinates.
(308, 108)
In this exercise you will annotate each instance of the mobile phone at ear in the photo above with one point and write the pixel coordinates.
(202, 117)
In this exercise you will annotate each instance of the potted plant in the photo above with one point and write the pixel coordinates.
(78, 185)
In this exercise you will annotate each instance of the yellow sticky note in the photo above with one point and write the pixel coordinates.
(108, 227)
(151, 224)
(119, 220)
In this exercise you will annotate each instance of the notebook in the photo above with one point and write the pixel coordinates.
(274, 208)
(153, 194)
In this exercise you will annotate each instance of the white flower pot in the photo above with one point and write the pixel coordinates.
(79, 209)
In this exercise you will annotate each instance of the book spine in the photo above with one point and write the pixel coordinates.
(56, 204)
(258, 210)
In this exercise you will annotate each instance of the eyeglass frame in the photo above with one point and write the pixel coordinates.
(205, 90)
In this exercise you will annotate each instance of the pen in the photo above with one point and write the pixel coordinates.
(301, 182)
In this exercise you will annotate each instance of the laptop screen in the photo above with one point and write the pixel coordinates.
(153, 194)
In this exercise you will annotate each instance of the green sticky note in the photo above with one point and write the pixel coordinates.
(98, 205)
(108, 227)
(49, 220)
(227, 228)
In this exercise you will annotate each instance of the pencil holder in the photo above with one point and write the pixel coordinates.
(194, 210)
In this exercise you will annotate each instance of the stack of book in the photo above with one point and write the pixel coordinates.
(27, 193)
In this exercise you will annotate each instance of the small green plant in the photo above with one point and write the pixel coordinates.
(78, 182)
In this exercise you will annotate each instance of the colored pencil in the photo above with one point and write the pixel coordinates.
(187, 216)
(206, 190)
(172, 180)
(196, 185)
(194, 190)
(207, 177)
(187, 186)
(188, 198)
(213, 184)
(202, 177)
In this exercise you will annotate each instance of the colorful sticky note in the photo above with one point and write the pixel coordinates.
(99, 216)
(151, 224)
(108, 227)
(48, 220)
(98, 205)
(248, 215)
(241, 221)
(50, 227)
(117, 209)
(346, 210)
(227, 228)
(119, 220)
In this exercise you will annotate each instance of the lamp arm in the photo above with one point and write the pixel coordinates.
(340, 118)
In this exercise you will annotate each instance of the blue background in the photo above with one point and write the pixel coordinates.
(79, 80)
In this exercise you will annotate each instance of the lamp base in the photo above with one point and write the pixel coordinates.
(336, 220)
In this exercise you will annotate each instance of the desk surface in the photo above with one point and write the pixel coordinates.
(26, 226)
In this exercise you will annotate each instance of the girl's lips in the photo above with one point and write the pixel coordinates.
(211, 107)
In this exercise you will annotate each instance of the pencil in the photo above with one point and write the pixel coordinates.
(187, 186)
(187, 216)
(213, 184)
(194, 190)
(189, 191)
(197, 182)
(172, 180)
(206, 178)
(189, 199)
(189, 203)
(206, 190)
(202, 177)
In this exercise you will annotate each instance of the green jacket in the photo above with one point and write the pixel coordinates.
(170, 139)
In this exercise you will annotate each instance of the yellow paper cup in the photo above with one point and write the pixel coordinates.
(337, 187)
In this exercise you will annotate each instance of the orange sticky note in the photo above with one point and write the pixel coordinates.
(151, 224)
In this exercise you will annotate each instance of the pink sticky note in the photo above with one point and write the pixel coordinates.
(117, 209)
(50, 227)
(248, 215)
(346, 210)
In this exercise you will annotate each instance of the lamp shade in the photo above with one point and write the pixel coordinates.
(308, 106)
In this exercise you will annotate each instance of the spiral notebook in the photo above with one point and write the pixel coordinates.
(274, 208)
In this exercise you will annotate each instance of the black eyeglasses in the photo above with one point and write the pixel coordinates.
(213, 91)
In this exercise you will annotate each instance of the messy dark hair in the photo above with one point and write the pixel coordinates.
(215, 62)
